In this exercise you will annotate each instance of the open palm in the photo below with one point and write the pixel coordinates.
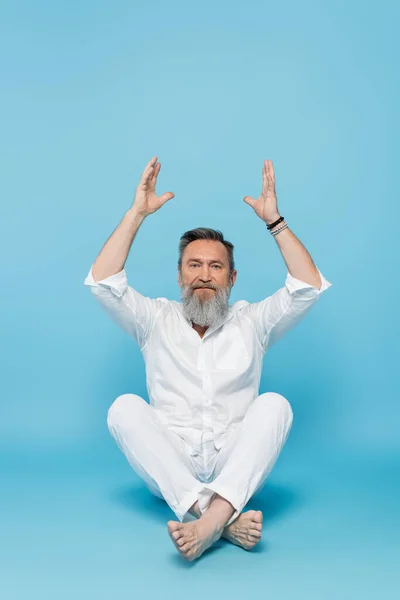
(146, 200)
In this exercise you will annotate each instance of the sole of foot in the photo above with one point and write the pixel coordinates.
(245, 531)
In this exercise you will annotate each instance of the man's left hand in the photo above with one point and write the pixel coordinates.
(266, 206)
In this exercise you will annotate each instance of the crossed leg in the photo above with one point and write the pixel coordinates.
(154, 452)
(159, 456)
(242, 466)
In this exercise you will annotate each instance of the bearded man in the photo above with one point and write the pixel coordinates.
(207, 440)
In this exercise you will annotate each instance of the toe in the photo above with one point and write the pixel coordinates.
(174, 526)
(255, 533)
(176, 534)
(185, 549)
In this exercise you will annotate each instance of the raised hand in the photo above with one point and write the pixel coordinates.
(146, 200)
(266, 205)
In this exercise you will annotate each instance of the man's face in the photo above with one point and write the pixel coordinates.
(205, 282)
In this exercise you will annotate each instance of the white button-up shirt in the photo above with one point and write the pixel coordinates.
(196, 384)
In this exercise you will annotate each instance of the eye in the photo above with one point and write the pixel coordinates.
(197, 265)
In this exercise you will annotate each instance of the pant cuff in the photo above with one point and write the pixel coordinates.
(187, 501)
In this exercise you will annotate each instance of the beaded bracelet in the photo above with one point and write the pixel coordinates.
(280, 229)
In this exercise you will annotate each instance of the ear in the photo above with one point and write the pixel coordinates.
(233, 276)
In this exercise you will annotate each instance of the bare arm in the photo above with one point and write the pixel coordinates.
(274, 316)
(113, 255)
(297, 258)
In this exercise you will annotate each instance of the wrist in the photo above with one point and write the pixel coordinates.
(272, 219)
(282, 225)
(133, 216)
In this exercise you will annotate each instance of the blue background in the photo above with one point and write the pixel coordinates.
(90, 91)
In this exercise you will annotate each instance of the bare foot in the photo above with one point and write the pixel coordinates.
(245, 531)
(192, 539)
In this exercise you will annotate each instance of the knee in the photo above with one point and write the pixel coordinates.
(272, 401)
(122, 408)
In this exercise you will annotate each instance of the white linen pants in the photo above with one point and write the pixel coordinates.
(170, 470)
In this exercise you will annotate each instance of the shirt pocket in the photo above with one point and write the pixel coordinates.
(229, 354)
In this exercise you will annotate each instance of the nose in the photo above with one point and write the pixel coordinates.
(205, 274)
(205, 280)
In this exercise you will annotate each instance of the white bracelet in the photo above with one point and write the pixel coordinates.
(276, 231)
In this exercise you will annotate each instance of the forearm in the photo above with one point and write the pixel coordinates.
(114, 253)
(298, 261)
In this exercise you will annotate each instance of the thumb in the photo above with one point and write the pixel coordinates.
(167, 196)
(249, 200)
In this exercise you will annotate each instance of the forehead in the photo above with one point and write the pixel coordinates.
(206, 250)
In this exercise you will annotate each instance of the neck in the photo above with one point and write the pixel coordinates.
(200, 330)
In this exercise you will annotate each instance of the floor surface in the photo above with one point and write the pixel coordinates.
(80, 529)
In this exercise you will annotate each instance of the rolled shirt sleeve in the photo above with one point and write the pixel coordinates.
(277, 314)
(132, 311)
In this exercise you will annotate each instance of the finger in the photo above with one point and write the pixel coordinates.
(249, 200)
(271, 171)
(165, 197)
(153, 175)
(147, 181)
(148, 170)
(267, 168)
(264, 176)
(152, 161)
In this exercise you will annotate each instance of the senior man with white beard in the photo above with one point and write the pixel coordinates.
(207, 440)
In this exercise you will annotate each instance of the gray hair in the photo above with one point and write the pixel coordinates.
(204, 233)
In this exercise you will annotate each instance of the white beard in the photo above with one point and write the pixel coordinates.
(205, 308)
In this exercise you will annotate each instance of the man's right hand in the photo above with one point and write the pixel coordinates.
(146, 201)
